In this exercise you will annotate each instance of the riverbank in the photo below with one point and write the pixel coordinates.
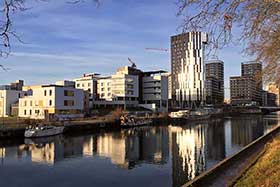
(229, 169)
(266, 171)
(15, 127)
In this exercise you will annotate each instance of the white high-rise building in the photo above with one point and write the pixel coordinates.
(188, 68)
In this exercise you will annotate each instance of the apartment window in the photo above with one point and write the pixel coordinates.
(30, 112)
(109, 89)
(50, 102)
(30, 103)
(102, 95)
(68, 93)
(68, 103)
(45, 93)
(102, 89)
(102, 84)
(37, 111)
(50, 92)
(25, 103)
(83, 85)
(24, 112)
(89, 84)
(131, 86)
(78, 85)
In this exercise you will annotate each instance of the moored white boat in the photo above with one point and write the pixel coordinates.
(181, 114)
(42, 131)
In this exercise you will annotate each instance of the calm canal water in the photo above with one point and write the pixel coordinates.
(148, 156)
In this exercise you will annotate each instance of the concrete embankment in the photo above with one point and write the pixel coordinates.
(225, 172)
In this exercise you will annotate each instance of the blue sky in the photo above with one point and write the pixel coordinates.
(63, 41)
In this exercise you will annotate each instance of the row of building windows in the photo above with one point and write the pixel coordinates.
(66, 93)
(50, 103)
(36, 103)
(103, 94)
(108, 83)
(103, 89)
(30, 112)
(45, 92)
(83, 85)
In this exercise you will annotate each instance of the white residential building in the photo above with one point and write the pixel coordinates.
(49, 101)
(88, 83)
(120, 89)
(7, 99)
(155, 91)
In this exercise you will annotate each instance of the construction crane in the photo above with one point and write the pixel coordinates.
(133, 64)
(157, 49)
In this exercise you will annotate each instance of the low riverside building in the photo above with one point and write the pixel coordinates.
(88, 83)
(119, 90)
(155, 91)
(51, 101)
(130, 87)
(8, 98)
(72, 84)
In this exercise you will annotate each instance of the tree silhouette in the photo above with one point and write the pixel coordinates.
(258, 22)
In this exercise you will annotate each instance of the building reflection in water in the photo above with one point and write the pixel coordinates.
(247, 129)
(132, 147)
(192, 148)
(216, 149)
(188, 152)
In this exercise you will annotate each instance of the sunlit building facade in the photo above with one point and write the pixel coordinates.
(51, 101)
(188, 69)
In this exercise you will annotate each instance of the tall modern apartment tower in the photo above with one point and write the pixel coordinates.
(214, 83)
(188, 69)
(247, 88)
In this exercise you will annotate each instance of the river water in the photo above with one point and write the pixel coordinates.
(147, 156)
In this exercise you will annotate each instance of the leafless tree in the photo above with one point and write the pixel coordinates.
(256, 21)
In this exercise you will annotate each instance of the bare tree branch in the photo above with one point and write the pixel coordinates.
(258, 21)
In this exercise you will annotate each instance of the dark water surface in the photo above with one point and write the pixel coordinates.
(148, 156)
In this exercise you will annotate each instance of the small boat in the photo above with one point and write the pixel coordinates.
(131, 122)
(42, 131)
(181, 114)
